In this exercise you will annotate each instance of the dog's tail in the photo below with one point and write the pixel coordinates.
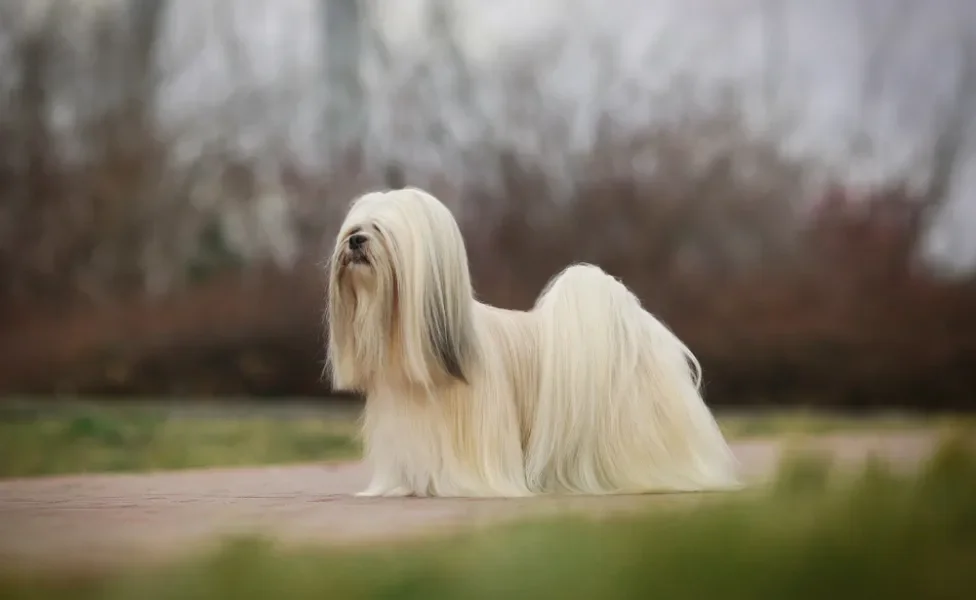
(619, 407)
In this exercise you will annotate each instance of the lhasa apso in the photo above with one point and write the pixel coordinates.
(587, 393)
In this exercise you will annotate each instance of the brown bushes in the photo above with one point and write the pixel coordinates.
(828, 308)
(834, 313)
(259, 334)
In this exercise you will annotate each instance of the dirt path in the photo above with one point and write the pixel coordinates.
(102, 519)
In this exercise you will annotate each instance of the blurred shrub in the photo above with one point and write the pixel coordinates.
(835, 313)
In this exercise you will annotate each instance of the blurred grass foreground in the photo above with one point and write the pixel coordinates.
(131, 439)
(815, 533)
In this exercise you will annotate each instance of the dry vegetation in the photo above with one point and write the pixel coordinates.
(837, 311)
(119, 276)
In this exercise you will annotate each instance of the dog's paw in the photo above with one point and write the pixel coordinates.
(399, 492)
(395, 492)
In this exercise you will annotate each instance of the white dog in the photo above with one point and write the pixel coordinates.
(586, 393)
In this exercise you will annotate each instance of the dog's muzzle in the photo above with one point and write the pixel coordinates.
(355, 250)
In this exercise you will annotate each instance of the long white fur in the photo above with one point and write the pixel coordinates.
(586, 393)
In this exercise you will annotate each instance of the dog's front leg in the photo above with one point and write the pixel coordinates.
(387, 482)
(382, 489)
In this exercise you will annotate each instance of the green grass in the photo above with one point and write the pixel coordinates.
(814, 534)
(139, 440)
(808, 422)
(136, 439)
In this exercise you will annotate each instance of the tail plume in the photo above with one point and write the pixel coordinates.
(619, 406)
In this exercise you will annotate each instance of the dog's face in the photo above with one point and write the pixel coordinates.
(399, 290)
(364, 248)
(361, 255)
(356, 250)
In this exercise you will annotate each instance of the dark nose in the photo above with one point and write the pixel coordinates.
(356, 241)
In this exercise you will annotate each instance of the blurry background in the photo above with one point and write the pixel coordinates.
(790, 185)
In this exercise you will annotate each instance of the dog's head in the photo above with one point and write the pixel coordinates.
(399, 292)
(362, 257)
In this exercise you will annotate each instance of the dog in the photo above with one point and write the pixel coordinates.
(586, 393)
